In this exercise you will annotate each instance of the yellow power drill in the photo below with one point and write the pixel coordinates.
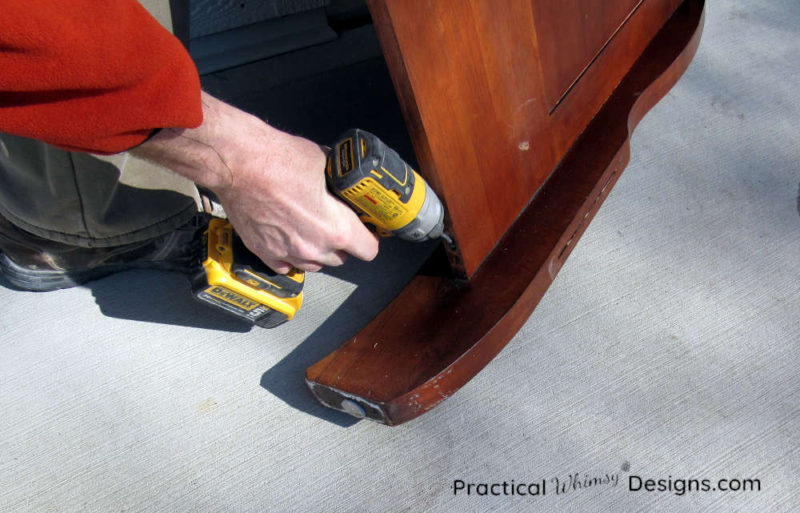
(371, 178)
(383, 189)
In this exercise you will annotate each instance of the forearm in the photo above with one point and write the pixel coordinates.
(197, 153)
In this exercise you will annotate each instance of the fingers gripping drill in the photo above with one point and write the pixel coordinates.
(367, 175)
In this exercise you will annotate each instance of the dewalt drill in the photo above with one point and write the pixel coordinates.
(383, 189)
(361, 170)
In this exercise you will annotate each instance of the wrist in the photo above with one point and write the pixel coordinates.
(208, 155)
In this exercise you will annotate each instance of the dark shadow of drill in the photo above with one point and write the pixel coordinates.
(160, 297)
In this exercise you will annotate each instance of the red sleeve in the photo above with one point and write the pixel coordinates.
(89, 75)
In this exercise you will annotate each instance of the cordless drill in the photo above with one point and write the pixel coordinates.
(361, 170)
(383, 189)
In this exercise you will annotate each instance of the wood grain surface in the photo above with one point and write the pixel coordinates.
(438, 333)
(571, 34)
(472, 81)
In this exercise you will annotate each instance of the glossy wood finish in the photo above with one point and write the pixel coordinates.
(437, 334)
(471, 79)
(571, 34)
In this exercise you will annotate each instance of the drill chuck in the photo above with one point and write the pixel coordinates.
(429, 223)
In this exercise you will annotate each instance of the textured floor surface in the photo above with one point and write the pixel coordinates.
(668, 348)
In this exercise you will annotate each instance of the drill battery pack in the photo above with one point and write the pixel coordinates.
(231, 278)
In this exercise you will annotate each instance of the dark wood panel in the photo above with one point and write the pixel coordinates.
(449, 107)
(470, 80)
(438, 334)
(571, 34)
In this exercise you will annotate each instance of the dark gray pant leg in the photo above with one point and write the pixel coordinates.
(77, 198)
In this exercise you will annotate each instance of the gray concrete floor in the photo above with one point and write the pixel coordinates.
(667, 348)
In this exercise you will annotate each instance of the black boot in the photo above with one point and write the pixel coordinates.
(33, 263)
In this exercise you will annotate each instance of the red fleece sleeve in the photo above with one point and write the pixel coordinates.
(89, 75)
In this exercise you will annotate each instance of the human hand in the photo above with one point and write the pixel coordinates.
(271, 185)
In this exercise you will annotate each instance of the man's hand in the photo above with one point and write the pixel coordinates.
(271, 185)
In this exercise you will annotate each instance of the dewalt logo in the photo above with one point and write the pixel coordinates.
(232, 297)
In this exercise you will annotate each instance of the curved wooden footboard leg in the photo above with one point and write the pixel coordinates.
(437, 334)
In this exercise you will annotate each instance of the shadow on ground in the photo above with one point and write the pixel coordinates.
(377, 283)
(159, 297)
(165, 298)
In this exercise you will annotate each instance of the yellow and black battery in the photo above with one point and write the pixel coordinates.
(233, 279)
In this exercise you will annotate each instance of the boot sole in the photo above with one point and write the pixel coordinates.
(44, 280)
